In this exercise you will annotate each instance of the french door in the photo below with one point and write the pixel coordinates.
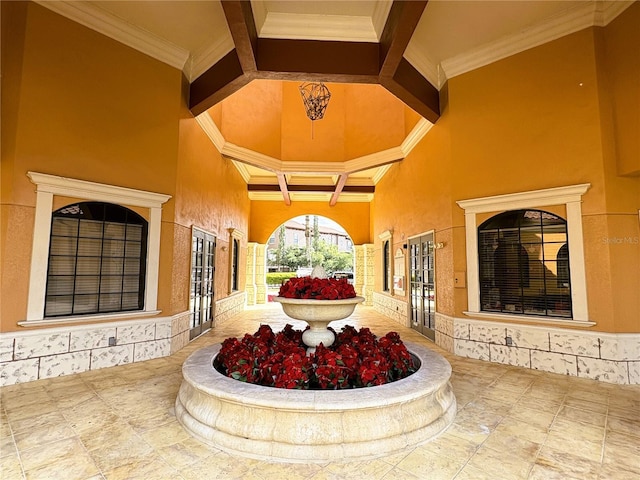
(422, 280)
(201, 306)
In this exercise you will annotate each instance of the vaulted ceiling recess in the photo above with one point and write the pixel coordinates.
(336, 166)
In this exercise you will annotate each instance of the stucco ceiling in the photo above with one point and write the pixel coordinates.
(449, 38)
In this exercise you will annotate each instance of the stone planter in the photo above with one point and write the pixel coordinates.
(315, 425)
(318, 314)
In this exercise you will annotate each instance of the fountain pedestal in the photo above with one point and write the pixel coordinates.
(318, 314)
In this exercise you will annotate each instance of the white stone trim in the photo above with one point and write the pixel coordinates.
(571, 197)
(393, 307)
(230, 306)
(49, 185)
(126, 316)
(603, 356)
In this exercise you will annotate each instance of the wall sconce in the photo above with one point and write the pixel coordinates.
(439, 245)
(224, 248)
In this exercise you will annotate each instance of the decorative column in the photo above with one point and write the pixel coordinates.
(250, 277)
(364, 274)
(260, 273)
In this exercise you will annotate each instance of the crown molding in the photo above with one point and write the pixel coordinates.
(242, 156)
(415, 135)
(318, 27)
(211, 130)
(114, 27)
(242, 169)
(251, 157)
(380, 14)
(259, 10)
(380, 173)
(598, 13)
(605, 11)
(374, 160)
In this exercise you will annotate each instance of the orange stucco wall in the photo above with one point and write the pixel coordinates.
(267, 216)
(535, 120)
(78, 104)
(71, 113)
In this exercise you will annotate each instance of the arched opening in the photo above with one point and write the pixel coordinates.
(303, 242)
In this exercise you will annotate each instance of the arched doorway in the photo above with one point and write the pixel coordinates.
(301, 243)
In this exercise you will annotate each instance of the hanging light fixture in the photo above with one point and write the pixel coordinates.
(315, 97)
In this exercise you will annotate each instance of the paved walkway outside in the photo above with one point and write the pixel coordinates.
(512, 423)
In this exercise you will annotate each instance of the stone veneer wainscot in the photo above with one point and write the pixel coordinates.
(607, 357)
(34, 354)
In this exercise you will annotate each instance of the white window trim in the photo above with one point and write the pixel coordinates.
(50, 185)
(571, 197)
(234, 234)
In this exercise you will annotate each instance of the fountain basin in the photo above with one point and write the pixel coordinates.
(318, 314)
(315, 425)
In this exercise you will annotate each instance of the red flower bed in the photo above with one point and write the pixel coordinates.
(317, 288)
(356, 359)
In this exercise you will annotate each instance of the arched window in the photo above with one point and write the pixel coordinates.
(524, 264)
(97, 260)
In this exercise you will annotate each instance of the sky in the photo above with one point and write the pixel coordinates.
(322, 221)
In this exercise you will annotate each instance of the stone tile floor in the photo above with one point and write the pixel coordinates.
(512, 423)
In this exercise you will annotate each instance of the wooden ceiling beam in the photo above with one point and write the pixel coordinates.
(401, 22)
(253, 187)
(217, 83)
(243, 31)
(325, 61)
(326, 58)
(282, 183)
(414, 90)
(340, 184)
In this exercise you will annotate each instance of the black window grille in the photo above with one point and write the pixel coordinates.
(524, 264)
(97, 260)
(235, 264)
(386, 266)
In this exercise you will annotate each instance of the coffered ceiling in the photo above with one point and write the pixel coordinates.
(410, 48)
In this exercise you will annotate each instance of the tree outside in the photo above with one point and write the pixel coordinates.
(315, 250)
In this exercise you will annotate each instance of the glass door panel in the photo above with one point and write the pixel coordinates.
(422, 278)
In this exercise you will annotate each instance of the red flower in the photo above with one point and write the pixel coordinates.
(317, 288)
(356, 359)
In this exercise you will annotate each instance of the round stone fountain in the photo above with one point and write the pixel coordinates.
(315, 425)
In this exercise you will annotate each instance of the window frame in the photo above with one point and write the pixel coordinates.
(571, 198)
(47, 186)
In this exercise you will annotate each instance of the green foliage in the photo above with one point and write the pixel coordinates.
(277, 278)
(331, 259)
